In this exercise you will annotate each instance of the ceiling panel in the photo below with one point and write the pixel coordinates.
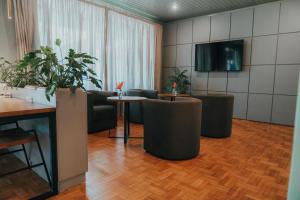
(162, 9)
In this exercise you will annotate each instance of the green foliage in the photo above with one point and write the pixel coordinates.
(181, 79)
(42, 68)
(14, 75)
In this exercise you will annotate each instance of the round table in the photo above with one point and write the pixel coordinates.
(126, 100)
(172, 96)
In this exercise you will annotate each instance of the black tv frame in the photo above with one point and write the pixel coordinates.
(216, 69)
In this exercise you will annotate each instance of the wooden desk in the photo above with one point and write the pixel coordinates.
(17, 107)
(12, 109)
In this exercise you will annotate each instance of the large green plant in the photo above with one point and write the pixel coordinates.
(181, 79)
(42, 68)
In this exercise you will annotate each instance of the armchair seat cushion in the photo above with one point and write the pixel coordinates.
(102, 112)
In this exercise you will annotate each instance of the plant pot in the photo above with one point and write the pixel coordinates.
(71, 120)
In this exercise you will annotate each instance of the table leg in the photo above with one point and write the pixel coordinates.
(126, 122)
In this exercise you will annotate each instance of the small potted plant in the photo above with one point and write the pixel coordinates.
(119, 89)
(179, 81)
(174, 91)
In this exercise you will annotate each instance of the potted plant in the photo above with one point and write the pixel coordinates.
(119, 89)
(179, 81)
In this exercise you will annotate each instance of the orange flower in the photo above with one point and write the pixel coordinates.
(174, 85)
(120, 85)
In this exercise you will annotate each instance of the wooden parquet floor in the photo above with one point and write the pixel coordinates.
(22, 185)
(251, 165)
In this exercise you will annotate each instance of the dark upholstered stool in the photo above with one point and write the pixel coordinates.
(217, 111)
(172, 128)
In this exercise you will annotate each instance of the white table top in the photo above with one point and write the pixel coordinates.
(126, 99)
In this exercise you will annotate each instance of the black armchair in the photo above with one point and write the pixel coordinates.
(136, 109)
(102, 114)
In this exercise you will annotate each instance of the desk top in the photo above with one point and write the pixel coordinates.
(10, 107)
(173, 95)
(126, 99)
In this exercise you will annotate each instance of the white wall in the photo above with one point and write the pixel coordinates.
(294, 183)
(266, 89)
(7, 34)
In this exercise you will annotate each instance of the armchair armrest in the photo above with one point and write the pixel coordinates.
(90, 104)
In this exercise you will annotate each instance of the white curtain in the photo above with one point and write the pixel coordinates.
(130, 52)
(79, 25)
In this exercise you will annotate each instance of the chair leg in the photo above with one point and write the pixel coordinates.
(42, 156)
(26, 156)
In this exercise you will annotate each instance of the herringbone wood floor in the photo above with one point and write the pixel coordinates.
(253, 164)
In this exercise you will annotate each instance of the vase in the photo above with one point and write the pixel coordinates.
(120, 94)
(174, 92)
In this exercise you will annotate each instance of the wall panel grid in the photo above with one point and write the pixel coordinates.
(266, 89)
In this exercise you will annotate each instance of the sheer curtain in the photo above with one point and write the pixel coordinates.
(25, 25)
(80, 26)
(130, 52)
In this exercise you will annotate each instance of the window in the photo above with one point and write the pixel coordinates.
(80, 26)
(131, 52)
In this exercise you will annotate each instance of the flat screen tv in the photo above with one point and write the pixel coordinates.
(219, 56)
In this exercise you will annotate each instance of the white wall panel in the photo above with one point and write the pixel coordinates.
(217, 81)
(241, 23)
(170, 34)
(220, 26)
(262, 79)
(284, 108)
(266, 18)
(259, 107)
(240, 105)
(184, 55)
(286, 79)
(184, 32)
(169, 56)
(239, 81)
(290, 16)
(264, 50)
(289, 48)
(201, 29)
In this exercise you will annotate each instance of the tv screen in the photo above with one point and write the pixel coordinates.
(219, 56)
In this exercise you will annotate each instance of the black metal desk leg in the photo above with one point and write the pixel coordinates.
(53, 144)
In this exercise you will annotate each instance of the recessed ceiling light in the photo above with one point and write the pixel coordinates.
(174, 6)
